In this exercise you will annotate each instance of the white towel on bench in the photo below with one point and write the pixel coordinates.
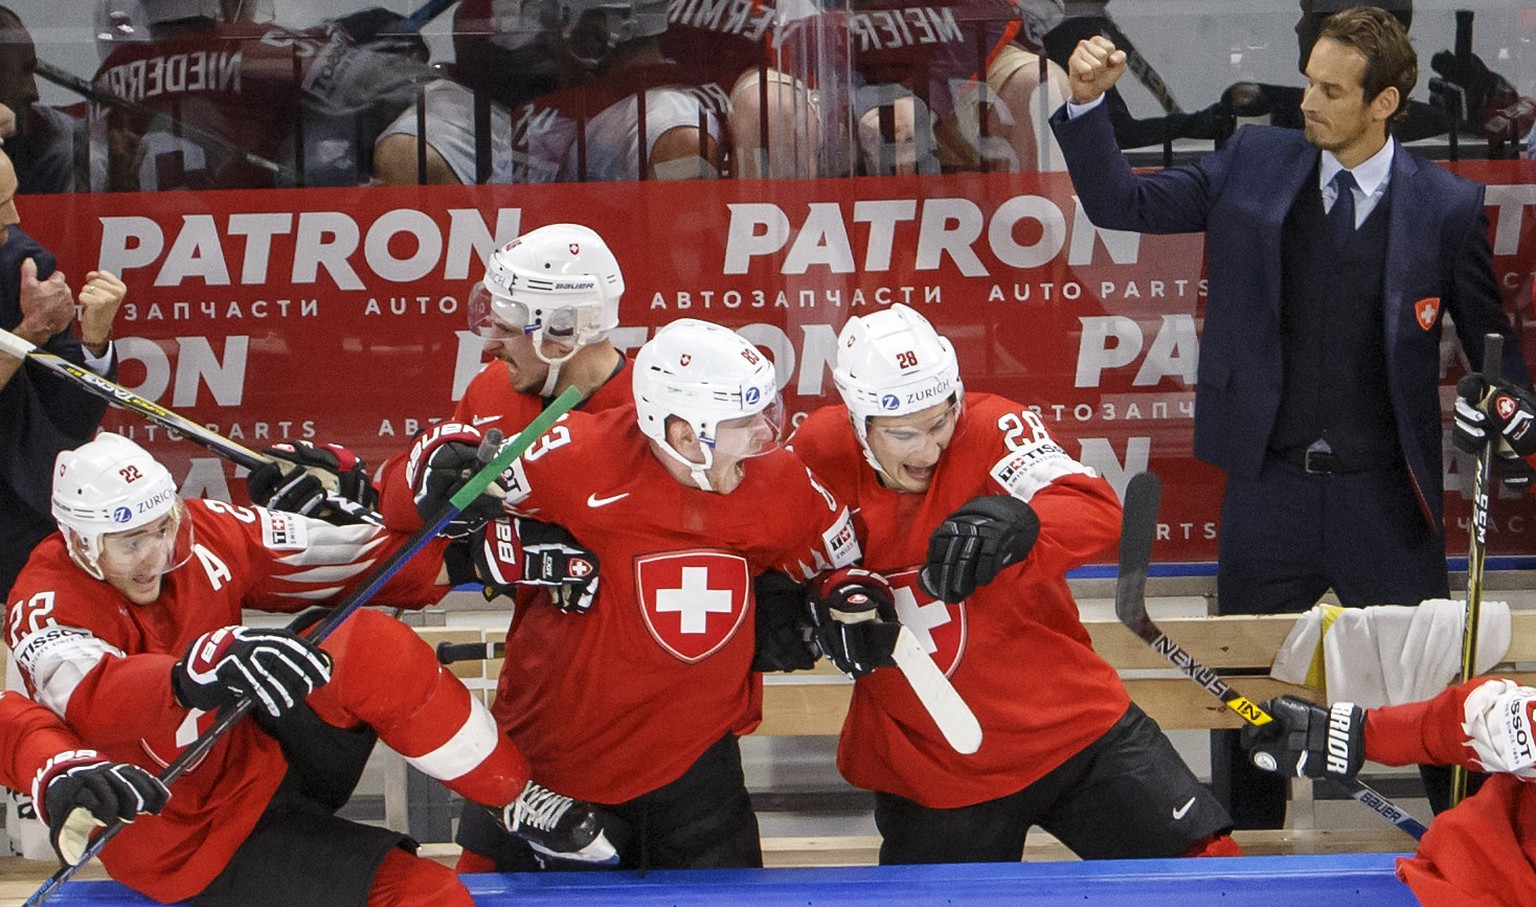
(1388, 654)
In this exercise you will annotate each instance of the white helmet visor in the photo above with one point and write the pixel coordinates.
(150, 550)
(497, 318)
(751, 435)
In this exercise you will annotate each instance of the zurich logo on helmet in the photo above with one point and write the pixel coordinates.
(121, 515)
(752, 396)
(889, 401)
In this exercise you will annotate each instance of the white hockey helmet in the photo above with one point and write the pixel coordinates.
(559, 282)
(892, 363)
(109, 486)
(707, 375)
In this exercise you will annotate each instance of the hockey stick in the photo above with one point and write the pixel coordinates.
(1477, 550)
(477, 484)
(955, 719)
(124, 398)
(1140, 66)
(1138, 529)
(69, 80)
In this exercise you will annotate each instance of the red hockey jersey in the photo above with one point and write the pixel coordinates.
(489, 402)
(30, 735)
(617, 702)
(1016, 650)
(1483, 852)
(104, 665)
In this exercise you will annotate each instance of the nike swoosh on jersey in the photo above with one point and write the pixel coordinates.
(1179, 813)
(477, 421)
(595, 501)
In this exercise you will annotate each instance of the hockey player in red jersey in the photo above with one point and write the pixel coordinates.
(1482, 853)
(545, 308)
(974, 513)
(75, 789)
(637, 704)
(126, 624)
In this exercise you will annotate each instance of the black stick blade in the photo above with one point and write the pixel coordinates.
(1138, 530)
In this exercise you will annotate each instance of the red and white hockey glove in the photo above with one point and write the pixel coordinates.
(516, 551)
(854, 612)
(1498, 720)
(443, 458)
(324, 481)
(1306, 740)
(278, 668)
(78, 791)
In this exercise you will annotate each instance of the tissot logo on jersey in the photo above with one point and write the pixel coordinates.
(284, 531)
(940, 628)
(693, 602)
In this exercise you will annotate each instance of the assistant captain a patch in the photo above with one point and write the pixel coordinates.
(693, 601)
(1427, 312)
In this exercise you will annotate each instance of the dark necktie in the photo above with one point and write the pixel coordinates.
(1341, 217)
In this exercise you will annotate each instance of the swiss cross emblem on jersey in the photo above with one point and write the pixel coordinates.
(1426, 311)
(940, 628)
(693, 601)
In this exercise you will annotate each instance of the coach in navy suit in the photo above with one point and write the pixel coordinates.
(1332, 256)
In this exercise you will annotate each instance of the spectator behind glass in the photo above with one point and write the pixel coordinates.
(511, 52)
(929, 70)
(262, 91)
(40, 140)
(608, 62)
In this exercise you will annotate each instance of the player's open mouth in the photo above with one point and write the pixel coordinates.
(921, 473)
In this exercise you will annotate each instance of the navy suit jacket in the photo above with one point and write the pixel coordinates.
(40, 414)
(1437, 248)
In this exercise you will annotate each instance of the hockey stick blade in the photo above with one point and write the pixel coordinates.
(955, 719)
(476, 485)
(1138, 530)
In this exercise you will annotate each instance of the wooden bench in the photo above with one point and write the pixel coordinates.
(814, 703)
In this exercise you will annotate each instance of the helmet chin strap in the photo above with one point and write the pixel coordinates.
(552, 378)
(695, 470)
(862, 433)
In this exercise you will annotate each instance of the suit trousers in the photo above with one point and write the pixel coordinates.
(1286, 538)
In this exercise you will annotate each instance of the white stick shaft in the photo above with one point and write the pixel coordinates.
(16, 346)
(955, 720)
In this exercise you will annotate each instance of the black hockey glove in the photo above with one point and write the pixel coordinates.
(442, 459)
(324, 481)
(1306, 740)
(785, 640)
(512, 551)
(975, 543)
(278, 668)
(855, 615)
(78, 792)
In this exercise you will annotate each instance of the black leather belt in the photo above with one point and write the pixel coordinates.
(1326, 462)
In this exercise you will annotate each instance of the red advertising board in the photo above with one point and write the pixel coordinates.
(338, 315)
